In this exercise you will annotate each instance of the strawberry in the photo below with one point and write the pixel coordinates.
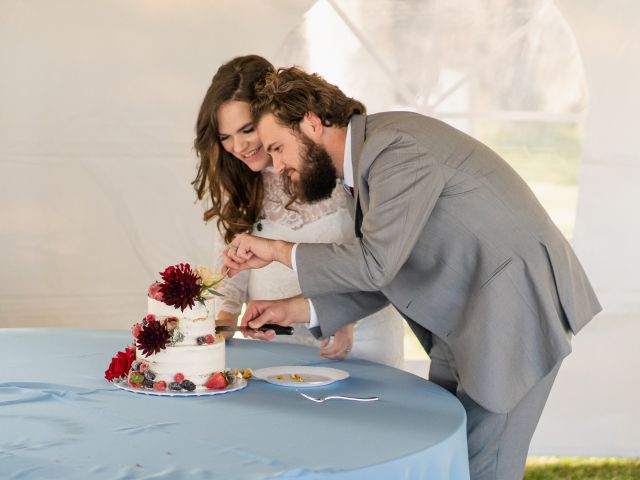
(209, 339)
(178, 377)
(217, 381)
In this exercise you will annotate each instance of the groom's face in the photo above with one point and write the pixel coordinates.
(306, 163)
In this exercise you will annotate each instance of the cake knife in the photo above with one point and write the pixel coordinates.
(279, 329)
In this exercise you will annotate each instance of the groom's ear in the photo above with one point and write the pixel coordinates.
(312, 126)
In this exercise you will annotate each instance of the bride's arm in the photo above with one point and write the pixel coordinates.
(234, 289)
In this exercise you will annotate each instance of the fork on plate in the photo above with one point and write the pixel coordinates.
(338, 397)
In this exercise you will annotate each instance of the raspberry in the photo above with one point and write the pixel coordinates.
(178, 377)
(175, 386)
(150, 317)
(143, 367)
(209, 339)
(188, 385)
(160, 386)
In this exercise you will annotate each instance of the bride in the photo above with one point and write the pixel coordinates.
(246, 195)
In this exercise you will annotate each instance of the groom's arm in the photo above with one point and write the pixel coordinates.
(338, 310)
(404, 184)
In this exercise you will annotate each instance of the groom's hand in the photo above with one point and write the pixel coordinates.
(281, 312)
(247, 251)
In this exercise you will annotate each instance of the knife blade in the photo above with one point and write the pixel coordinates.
(279, 329)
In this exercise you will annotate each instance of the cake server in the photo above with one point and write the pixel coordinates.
(279, 329)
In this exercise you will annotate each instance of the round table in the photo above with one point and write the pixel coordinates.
(59, 418)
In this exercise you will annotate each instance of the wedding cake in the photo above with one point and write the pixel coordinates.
(175, 345)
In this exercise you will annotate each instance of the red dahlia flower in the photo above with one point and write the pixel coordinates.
(180, 288)
(153, 338)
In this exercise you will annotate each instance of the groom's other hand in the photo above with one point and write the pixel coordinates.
(247, 251)
(281, 312)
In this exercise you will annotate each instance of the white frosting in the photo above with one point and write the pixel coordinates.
(195, 362)
(160, 309)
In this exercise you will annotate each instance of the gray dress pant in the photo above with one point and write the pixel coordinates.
(498, 442)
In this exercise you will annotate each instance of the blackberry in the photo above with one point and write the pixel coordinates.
(175, 386)
(135, 366)
(188, 385)
(147, 383)
(149, 375)
(201, 340)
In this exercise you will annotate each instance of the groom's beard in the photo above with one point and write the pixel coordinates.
(318, 174)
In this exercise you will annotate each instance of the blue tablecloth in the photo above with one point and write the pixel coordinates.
(59, 418)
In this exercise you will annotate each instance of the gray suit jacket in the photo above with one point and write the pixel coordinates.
(457, 242)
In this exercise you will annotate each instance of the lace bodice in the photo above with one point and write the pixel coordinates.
(298, 214)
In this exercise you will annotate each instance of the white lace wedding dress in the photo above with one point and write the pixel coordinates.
(379, 337)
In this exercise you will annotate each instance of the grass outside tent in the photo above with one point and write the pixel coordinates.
(579, 468)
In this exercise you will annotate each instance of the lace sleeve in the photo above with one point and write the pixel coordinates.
(234, 289)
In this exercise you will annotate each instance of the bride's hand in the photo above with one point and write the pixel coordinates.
(341, 345)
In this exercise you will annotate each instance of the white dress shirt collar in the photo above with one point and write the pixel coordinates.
(347, 166)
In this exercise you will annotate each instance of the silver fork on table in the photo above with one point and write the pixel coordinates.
(338, 397)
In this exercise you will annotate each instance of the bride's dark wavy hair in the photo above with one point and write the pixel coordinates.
(236, 191)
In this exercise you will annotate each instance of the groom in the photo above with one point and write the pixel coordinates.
(448, 233)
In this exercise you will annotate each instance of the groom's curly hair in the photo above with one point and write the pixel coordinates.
(290, 93)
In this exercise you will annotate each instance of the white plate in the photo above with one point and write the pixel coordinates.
(237, 385)
(310, 376)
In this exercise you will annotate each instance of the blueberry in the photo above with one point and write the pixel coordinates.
(175, 386)
(201, 340)
(149, 375)
(147, 383)
(188, 385)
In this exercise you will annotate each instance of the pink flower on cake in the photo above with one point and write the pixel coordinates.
(136, 329)
(154, 291)
(120, 364)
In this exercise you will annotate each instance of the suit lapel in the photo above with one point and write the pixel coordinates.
(358, 124)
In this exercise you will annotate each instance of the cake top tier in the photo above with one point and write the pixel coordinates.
(183, 288)
(198, 311)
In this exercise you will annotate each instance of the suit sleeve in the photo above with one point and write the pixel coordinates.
(338, 310)
(404, 183)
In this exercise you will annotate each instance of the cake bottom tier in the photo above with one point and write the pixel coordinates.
(195, 362)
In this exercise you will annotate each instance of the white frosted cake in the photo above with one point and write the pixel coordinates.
(195, 351)
(175, 345)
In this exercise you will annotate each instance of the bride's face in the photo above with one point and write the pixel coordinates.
(238, 136)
